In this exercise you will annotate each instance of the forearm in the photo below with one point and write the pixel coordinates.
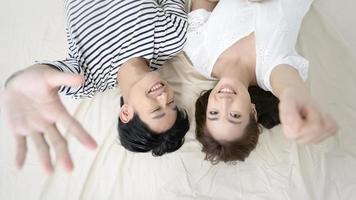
(208, 5)
(173, 7)
(285, 77)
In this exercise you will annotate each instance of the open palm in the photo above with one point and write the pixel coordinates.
(32, 108)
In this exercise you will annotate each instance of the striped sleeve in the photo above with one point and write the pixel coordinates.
(174, 7)
(102, 35)
(69, 65)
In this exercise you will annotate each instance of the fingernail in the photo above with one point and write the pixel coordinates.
(92, 145)
(49, 170)
(19, 166)
(69, 168)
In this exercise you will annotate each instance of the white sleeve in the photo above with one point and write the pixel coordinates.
(277, 27)
(194, 47)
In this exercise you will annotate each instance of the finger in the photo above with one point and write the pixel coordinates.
(307, 137)
(76, 129)
(39, 123)
(60, 146)
(291, 118)
(318, 127)
(58, 78)
(312, 124)
(313, 116)
(16, 125)
(21, 151)
(42, 151)
(321, 138)
(312, 130)
(330, 124)
(330, 128)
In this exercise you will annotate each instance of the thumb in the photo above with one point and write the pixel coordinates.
(291, 118)
(58, 78)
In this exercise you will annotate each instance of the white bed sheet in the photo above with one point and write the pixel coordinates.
(277, 169)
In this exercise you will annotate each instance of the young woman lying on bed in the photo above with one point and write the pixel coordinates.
(250, 49)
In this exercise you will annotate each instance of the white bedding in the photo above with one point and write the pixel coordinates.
(277, 169)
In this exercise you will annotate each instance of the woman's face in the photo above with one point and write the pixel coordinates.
(228, 111)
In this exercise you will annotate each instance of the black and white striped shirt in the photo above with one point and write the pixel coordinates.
(104, 34)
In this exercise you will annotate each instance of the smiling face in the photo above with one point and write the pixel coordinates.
(228, 111)
(153, 100)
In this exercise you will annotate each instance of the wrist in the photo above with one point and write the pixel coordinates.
(294, 90)
(13, 77)
(44, 67)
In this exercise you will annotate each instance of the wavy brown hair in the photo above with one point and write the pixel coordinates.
(226, 151)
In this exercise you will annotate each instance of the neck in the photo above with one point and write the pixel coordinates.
(235, 69)
(238, 62)
(130, 73)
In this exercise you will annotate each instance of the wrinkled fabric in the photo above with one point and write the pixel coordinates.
(276, 169)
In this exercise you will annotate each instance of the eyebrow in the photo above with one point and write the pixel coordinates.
(229, 120)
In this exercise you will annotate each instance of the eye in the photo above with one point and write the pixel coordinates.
(170, 102)
(156, 109)
(213, 112)
(235, 115)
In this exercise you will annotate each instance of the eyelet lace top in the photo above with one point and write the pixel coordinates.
(276, 25)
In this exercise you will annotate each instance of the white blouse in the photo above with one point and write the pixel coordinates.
(276, 25)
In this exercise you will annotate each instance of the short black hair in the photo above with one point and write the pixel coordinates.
(136, 136)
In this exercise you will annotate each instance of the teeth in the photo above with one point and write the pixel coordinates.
(156, 87)
(226, 90)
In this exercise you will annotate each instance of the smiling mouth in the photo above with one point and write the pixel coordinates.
(226, 90)
(156, 87)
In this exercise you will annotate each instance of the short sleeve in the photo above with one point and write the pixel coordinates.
(194, 47)
(174, 8)
(277, 27)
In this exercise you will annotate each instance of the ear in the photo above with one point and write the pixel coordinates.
(126, 113)
(254, 111)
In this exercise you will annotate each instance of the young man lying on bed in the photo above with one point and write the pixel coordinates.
(120, 42)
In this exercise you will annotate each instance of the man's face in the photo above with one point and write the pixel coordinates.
(153, 100)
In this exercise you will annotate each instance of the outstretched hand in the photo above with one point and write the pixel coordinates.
(31, 107)
(302, 120)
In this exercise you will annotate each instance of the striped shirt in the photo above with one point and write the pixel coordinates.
(104, 34)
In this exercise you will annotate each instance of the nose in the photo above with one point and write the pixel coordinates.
(162, 99)
(224, 102)
(223, 97)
